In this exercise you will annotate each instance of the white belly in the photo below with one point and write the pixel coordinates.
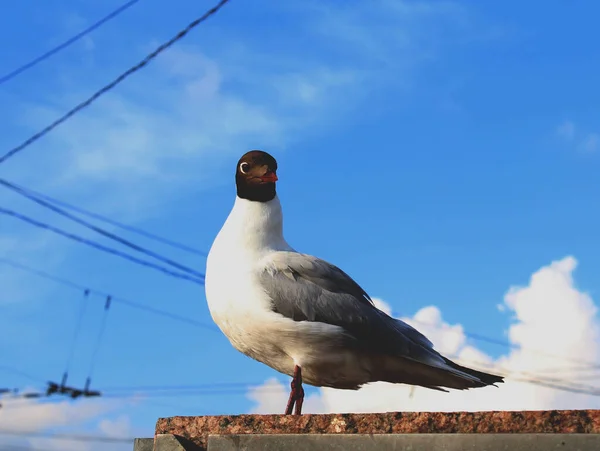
(242, 312)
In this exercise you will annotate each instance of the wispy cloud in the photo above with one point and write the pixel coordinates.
(566, 130)
(584, 141)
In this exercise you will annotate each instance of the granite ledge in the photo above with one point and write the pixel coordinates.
(197, 429)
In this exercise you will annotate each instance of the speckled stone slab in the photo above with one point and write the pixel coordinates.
(197, 429)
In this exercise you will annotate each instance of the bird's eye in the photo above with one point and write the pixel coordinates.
(244, 167)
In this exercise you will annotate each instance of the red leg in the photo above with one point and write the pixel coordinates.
(299, 395)
(296, 393)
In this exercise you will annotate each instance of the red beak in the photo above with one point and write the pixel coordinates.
(269, 177)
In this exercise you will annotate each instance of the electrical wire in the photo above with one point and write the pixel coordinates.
(101, 247)
(74, 285)
(129, 228)
(506, 344)
(9, 369)
(82, 308)
(120, 300)
(99, 230)
(208, 386)
(555, 383)
(13, 447)
(99, 339)
(113, 83)
(67, 43)
(73, 437)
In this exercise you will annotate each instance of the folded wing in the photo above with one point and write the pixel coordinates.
(305, 288)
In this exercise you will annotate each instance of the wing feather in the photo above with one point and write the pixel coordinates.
(306, 288)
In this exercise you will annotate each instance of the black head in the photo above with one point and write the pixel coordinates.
(255, 176)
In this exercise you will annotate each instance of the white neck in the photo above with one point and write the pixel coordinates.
(257, 226)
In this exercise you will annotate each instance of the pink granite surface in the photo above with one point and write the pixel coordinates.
(197, 429)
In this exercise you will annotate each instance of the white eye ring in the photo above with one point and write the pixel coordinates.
(244, 165)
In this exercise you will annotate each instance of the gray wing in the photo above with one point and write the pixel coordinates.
(305, 288)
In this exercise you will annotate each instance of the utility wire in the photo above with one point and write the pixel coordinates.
(12, 447)
(57, 436)
(144, 233)
(506, 344)
(101, 247)
(98, 340)
(531, 378)
(99, 230)
(18, 372)
(243, 388)
(113, 83)
(84, 302)
(123, 301)
(548, 381)
(208, 386)
(67, 43)
(591, 365)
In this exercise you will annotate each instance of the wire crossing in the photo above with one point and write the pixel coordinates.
(67, 43)
(129, 228)
(101, 247)
(99, 230)
(113, 83)
(73, 392)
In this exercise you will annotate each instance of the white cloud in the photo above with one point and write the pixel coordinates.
(555, 327)
(23, 415)
(585, 141)
(27, 416)
(119, 427)
(382, 305)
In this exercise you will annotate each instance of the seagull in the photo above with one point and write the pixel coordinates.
(303, 316)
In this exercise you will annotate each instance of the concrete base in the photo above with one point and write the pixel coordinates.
(405, 442)
(143, 444)
(377, 442)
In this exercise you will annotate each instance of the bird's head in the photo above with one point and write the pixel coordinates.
(255, 176)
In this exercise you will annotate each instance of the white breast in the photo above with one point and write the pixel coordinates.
(251, 231)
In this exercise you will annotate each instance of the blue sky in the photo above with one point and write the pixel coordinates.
(439, 152)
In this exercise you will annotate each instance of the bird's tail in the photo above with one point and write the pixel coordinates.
(434, 375)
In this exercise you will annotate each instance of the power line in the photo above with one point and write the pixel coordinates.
(479, 337)
(98, 341)
(123, 301)
(9, 369)
(208, 386)
(234, 388)
(99, 230)
(532, 378)
(551, 382)
(144, 233)
(11, 447)
(84, 302)
(590, 365)
(113, 83)
(57, 436)
(101, 247)
(67, 43)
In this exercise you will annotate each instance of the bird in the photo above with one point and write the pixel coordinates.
(303, 316)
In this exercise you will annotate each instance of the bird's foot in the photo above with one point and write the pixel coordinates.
(296, 393)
